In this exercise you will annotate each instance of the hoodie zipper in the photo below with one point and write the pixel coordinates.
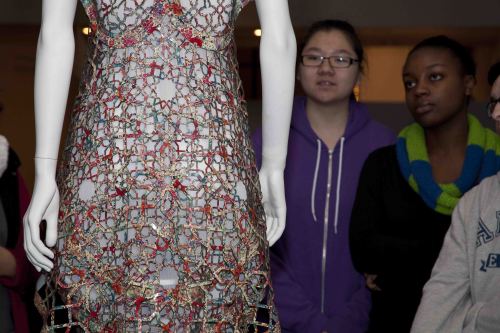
(325, 229)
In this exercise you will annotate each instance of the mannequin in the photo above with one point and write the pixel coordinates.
(53, 71)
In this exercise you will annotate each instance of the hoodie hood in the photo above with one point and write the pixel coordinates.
(357, 119)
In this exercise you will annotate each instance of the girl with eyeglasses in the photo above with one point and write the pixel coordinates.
(316, 286)
(408, 191)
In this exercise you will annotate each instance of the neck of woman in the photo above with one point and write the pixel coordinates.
(328, 121)
(446, 147)
(450, 137)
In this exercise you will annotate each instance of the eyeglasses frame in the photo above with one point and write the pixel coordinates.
(491, 106)
(323, 58)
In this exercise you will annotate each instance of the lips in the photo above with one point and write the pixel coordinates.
(325, 83)
(424, 108)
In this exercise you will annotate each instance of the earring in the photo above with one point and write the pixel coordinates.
(356, 92)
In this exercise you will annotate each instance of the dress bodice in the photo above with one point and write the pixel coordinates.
(123, 23)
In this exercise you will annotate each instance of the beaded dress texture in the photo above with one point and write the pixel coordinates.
(161, 227)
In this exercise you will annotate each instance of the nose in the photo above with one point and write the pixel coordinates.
(325, 67)
(421, 88)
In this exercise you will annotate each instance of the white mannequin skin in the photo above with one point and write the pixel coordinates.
(54, 62)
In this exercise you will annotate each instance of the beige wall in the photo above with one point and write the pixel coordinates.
(382, 79)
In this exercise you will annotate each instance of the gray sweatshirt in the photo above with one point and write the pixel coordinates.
(463, 293)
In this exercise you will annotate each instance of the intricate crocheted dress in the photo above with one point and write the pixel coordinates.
(161, 227)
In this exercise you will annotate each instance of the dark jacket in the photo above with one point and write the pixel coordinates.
(396, 236)
(316, 286)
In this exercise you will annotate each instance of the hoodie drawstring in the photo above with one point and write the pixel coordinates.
(316, 169)
(339, 179)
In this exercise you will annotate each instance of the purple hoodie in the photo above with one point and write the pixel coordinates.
(317, 288)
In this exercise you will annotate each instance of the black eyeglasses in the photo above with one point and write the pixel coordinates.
(336, 61)
(490, 107)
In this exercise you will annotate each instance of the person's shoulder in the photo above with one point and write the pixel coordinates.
(481, 198)
(377, 126)
(379, 134)
(381, 159)
(385, 153)
(487, 190)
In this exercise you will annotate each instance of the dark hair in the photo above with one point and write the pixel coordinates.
(343, 26)
(493, 73)
(457, 49)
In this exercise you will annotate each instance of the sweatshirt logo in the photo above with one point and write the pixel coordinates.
(485, 234)
(493, 261)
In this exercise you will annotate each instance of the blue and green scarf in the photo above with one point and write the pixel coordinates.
(482, 159)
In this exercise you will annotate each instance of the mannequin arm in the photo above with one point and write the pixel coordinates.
(277, 58)
(54, 62)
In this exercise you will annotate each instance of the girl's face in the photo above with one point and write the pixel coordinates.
(325, 84)
(495, 95)
(435, 86)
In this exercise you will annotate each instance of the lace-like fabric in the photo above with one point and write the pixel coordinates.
(161, 227)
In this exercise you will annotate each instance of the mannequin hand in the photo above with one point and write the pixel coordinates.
(44, 205)
(273, 199)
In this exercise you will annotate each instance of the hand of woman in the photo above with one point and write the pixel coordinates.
(7, 263)
(370, 282)
(44, 205)
(273, 199)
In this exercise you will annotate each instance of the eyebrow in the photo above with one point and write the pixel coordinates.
(317, 49)
(428, 67)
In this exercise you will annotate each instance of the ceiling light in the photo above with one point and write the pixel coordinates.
(86, 31)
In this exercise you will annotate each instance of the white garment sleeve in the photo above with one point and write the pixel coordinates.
(446, 298)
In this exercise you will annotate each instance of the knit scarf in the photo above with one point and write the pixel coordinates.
(482, 159)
